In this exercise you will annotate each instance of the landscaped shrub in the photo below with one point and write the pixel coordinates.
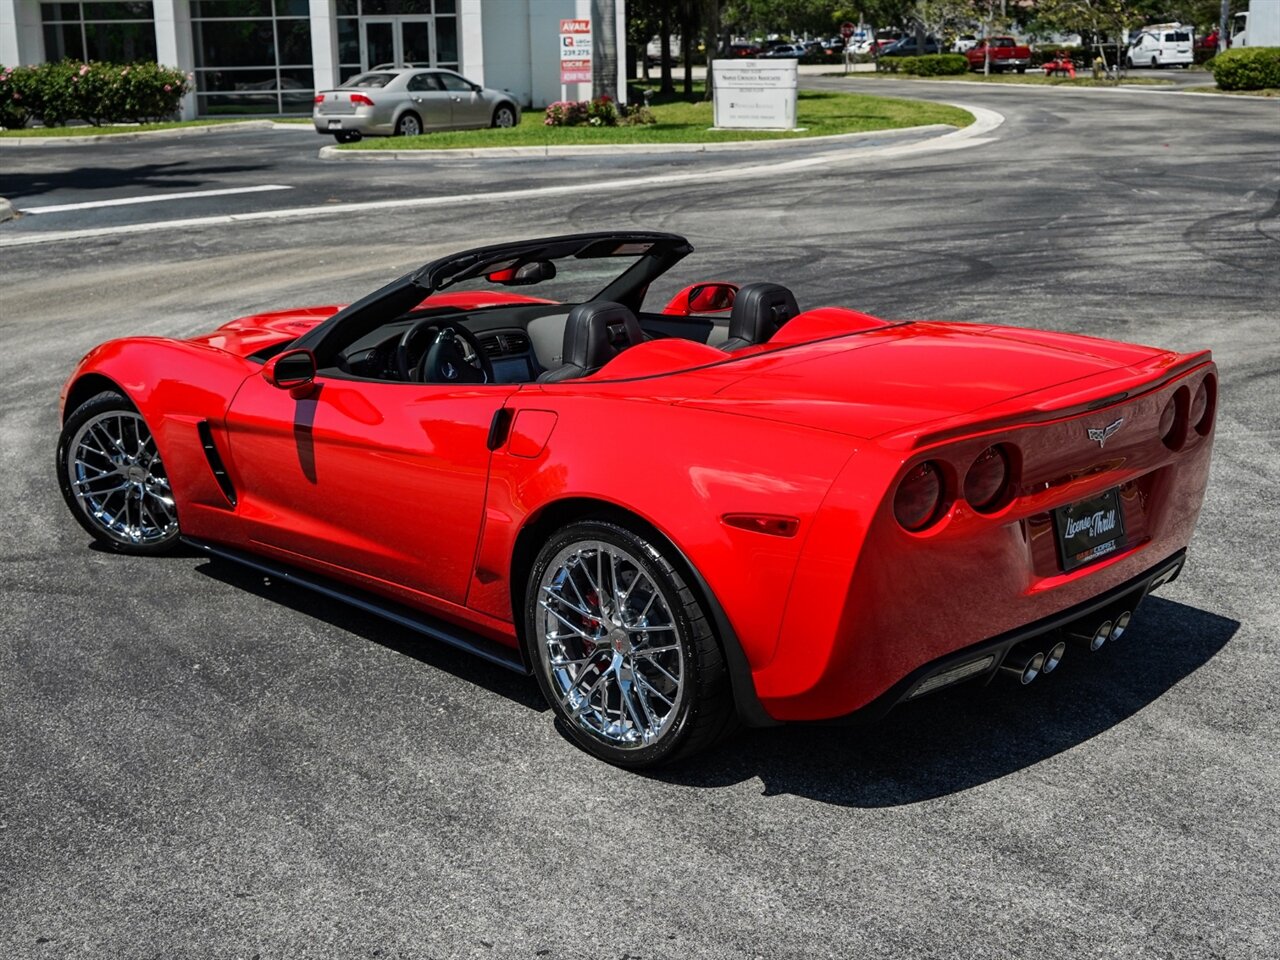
(600, 112)
(95, 92)
(1246, 68)
(15, 97)
(637, 116)
(930, 65)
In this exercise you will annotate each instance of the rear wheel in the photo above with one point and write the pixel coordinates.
(622, 648)
(504, 116)
(409, 124)
(112, 478)
(347, 136)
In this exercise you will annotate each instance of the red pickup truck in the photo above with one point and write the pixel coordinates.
(1006, 54)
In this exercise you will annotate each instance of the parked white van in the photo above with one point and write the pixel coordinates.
(1162, 45)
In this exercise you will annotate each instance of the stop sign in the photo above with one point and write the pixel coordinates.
(846, 29)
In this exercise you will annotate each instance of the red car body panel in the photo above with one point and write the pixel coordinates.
(392, 487)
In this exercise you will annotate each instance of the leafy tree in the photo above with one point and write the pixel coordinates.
(1102, 18)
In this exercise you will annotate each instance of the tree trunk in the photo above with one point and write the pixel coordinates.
(664, 38)
(711, 31)
(686, 45)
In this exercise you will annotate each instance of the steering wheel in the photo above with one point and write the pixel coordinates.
(444, 361)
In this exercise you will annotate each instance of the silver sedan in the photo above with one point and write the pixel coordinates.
(408, 101)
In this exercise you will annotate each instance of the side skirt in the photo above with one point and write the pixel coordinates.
(397, 613)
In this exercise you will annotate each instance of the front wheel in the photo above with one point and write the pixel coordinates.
(1155, 63)
(504, 116)
(409, 125)
(623, 649)
(113, 479)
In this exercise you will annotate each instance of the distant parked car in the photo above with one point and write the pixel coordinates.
(1006, 54)
(1161, 47)
(907, 47)
(744, 50)
(407, 102)
(964, 43)
(784, 51)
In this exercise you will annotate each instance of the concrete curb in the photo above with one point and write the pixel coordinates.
(623, 150)
(6, 210)
(1170, 89)
(176, 133)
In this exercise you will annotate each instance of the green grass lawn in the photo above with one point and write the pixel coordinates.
(1264, 92)
(87, 131)
(820, 114)
(1037, 77)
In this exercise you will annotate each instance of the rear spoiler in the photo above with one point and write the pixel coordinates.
(1062, 401)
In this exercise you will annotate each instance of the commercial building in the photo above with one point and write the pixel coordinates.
(270, 56)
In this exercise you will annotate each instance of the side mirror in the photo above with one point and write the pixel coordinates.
(702, 298)
(293, 370)
(476, 88)
(535, 271)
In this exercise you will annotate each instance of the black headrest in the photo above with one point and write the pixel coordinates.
(759, 310)
(596, 332)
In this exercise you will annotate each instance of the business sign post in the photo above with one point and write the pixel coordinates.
(575, 54)
(755, 94)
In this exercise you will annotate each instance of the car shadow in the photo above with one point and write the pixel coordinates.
(519, 689)
(971, 734)
(22, 185)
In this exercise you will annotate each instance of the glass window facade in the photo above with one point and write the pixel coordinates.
(252, 56)
(122, 31)
(372, 32)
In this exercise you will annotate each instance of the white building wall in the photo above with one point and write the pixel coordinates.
(522, 48)
(21, 34)
(173, 45)
(471, 46)
(324, 44)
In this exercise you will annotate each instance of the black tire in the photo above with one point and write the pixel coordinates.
(504, 112)
(150, 478)
(1155, 63)
(703, 712)
(1022, 69)
(1128, 61)
(405, 122)
(347, 136)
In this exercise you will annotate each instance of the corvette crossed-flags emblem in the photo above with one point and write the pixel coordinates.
(1103, 434)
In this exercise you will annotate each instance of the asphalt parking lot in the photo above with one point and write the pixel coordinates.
(197, 762)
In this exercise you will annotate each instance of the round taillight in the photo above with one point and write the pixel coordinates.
(919, 496)
(1202, 405)
(1173, 420)
(987, 480)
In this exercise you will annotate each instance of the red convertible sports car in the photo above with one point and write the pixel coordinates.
(724, 510)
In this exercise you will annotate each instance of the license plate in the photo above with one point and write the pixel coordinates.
(1089, 529)
(335, 124)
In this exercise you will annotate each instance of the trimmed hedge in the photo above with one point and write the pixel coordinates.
(929, 65)
(98, 93)
(1246, 68)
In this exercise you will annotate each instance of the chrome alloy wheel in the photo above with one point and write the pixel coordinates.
(117, 478)
(610, 645)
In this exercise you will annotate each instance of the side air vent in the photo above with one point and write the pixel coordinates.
(504, 344)
(215, 462)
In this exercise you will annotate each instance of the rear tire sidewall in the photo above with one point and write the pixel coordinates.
(101, 403)
(660, 569)
(408, 115)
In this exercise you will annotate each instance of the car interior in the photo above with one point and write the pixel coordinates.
(530, 339)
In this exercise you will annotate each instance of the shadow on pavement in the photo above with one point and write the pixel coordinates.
(972, 734)
(516, 688)
(20, 186)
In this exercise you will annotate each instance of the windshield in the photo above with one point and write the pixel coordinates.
(569, 281)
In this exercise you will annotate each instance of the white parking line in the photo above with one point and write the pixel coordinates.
(970, 136)
(153, 198)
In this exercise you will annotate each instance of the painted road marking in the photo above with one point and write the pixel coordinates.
(153, 198)
(970, 136)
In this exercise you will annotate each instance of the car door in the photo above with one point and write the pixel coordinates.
(378, 482)
(470, 109)
(430, 100)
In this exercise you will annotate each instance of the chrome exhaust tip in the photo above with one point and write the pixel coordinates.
(1054, 657)
(1096, 638)
(1023, 664)
(1120, 626)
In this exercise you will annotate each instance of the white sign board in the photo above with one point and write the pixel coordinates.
(755, 94)
(575, 51)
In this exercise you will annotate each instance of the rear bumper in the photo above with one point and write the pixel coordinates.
(983, 659)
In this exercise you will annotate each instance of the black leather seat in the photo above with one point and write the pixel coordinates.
(596, 332)
(758, 311)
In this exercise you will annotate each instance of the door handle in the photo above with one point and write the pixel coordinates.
(417, 99)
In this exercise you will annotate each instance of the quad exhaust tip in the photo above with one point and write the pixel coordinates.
(1053, 657)
(1024, 664)
(1096, 638)
(1121, 625)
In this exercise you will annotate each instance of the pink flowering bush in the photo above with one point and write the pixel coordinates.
(600, 112)
(95, 92)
